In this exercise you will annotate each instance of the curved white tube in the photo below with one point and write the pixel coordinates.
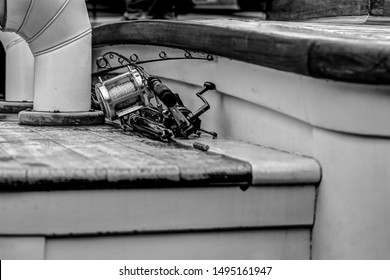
(19, 79)
(58, 33)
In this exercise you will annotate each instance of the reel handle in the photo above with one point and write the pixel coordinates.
(206, 86)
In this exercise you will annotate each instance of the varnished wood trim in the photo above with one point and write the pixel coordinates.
(303, 9)
(233, 39)
(351, 62)
(380, 8)
(321, 51)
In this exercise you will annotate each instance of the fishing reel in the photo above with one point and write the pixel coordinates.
(143, 103)
(122, 94)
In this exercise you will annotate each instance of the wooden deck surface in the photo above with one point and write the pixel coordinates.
(104, 156)
(101, 154)
(356, 53)
(119, 193)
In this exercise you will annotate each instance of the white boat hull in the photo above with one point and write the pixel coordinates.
(342, 125)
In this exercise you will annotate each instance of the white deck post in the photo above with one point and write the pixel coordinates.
(19, 80)
(58, 33)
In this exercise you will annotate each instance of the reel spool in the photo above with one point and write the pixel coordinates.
(122, 94)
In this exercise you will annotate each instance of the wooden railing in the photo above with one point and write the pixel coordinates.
(303, 9)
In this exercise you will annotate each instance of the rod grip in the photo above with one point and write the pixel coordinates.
(162, 91)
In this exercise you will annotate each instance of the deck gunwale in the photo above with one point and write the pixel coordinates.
(320, 50)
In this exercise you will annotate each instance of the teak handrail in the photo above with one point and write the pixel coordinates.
(341, 52)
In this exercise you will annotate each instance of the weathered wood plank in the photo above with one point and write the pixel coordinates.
(5, 124)
(124, 164)
(17, 133)
(195, 166)
(154, 209)
(286, 46)
(12, 176)
(268, 166)
(70, 133)
(46, 162)
(56, 156)
(11, 172)
(43, 153)
(79, 158)
(306, 9)
(259, 244)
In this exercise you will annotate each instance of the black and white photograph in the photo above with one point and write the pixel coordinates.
(195, 130)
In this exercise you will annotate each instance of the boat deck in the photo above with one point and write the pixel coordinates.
(54, 157)
(91, 156)
(124, 196)
(105, 154)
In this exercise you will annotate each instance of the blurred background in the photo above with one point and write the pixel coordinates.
(110, 10)
(102, 11)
